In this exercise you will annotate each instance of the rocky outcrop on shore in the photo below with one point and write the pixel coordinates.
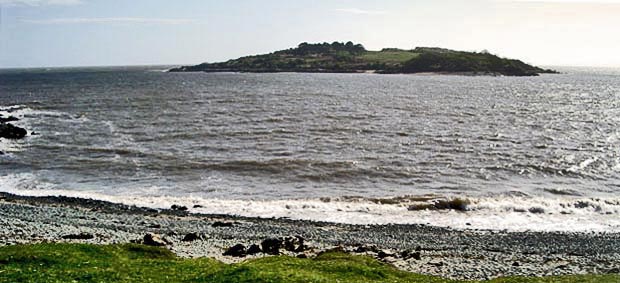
(458, 254)
(10, 131)
(271, 246)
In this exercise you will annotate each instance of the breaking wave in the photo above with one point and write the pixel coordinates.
(511, 212)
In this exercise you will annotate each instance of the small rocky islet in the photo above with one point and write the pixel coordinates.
(338, 57)
(10, 131)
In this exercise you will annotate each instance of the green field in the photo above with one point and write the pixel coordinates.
(138, 263)
(388, 57)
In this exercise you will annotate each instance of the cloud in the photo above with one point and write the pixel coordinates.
(60, 21)
(35, 3)
(357, 11)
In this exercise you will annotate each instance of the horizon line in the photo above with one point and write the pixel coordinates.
(190, 64)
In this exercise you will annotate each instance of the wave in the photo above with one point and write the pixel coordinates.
(512, 212)
(29, 118)
(310, 169)
(25, 112)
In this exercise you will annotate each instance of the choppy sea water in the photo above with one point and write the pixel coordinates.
(538, 153)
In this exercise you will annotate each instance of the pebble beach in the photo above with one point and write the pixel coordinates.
(446, 252)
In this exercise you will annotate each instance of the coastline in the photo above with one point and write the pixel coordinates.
(367, 72)
(456, 254)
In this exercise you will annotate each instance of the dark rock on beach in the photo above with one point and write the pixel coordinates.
(221, 224)
(8, 131)
(178, 207)
(254, 249)
(80, 236)
(367, 249)
(237, 250)
(457, 204)
(190, 237)
(294, 244)
(385, 253)
(271, 246)
(407, 254)
(154, 240)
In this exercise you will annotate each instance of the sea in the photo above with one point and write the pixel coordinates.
(519, 153)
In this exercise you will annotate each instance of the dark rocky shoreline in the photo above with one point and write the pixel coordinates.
(459, 254)
(10, 131)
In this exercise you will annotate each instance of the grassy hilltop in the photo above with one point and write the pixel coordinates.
(348, 57)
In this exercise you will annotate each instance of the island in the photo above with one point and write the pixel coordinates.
(338, 57)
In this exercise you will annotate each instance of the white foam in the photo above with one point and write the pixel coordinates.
(9, 146)
(22, 111)
(29, 119)
(582, 165)
(11, 108)
(28, 115)
(494, 213)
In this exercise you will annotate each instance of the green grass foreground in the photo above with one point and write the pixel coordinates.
(138, 263)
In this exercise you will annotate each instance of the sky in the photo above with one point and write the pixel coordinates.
(52, 33)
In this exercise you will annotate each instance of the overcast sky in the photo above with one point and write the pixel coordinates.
(44, 33)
